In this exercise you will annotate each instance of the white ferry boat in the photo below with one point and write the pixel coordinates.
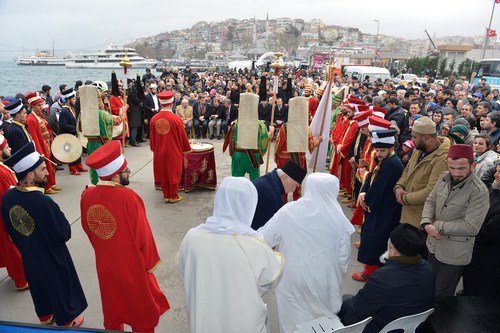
(42, 58)
(109, 58)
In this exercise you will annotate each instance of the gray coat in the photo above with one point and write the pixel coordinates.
(457, 212)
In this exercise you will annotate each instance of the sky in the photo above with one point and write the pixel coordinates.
(78, 25)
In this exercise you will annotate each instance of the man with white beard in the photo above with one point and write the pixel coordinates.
(402, 287)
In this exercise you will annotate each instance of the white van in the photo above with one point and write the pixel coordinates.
(361, 72)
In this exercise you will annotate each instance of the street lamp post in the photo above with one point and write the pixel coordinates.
(376, 39)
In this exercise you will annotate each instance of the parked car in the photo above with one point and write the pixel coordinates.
(406, 77)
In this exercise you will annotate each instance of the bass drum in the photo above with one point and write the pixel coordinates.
(66, 148)
(202, 147)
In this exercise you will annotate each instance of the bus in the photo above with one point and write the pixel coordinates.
(488, 69)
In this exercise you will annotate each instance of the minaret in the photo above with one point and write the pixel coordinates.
(254, 32)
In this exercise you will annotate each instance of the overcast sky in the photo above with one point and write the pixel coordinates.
(91, 24)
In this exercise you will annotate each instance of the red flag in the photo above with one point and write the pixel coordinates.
(491, 32)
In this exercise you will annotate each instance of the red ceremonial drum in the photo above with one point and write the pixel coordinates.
(199, 168)
(202, 147)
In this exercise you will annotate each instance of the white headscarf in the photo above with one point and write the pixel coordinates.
(319, 202)
(234, 208)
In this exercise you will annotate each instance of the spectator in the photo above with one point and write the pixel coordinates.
(484, 157)
(492, 126)
(427, 162)
(186, 113)
(482, 276)
(452, 216)
(402, 287)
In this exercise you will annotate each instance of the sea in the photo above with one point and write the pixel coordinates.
(21, 79)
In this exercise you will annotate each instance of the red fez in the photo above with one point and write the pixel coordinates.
(377, 123)
(166, 97)
(361, 108)
(34, 98)
(107, 160)
(3, 142)
(378, 111)
(362, 118)
(461, 151)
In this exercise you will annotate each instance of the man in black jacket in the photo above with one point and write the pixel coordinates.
(403, 286)
(230, 115)
(200, 123)
(151, 103)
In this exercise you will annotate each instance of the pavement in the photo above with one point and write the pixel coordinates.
(169, 223)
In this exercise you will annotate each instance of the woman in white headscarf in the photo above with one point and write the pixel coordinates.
(226, 266)
(313, 235)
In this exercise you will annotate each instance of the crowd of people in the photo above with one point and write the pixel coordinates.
(418, 165)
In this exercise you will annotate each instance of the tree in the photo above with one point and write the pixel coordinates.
(452, 65)
(442, 67)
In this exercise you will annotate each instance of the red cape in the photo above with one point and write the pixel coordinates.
(114, 218)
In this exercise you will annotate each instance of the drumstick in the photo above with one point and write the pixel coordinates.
(55, 164)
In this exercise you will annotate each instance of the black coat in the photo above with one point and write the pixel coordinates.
(67, 122)
(486, 253)
(398, 115)
(280, 114)
(270, 191)
(385, 211)
(265, 113)
(16, 137)
(197, 110)
(395, 290)
(149, 104)
(54, 284)
(135, 110)
(233, 114)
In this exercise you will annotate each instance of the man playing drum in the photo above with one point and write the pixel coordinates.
(168, 141)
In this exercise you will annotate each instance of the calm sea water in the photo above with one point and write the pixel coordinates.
(21, 79)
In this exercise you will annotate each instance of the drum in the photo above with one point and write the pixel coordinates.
(66, 148)
(202, 147)
(117, 130)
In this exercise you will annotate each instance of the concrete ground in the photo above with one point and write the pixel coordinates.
(169, 223)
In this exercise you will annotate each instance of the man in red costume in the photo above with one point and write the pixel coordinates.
(119, 109)
(168, 141)
(313, 101)
(10, 257)
(341, 152)
(41, 133)
(114, 218)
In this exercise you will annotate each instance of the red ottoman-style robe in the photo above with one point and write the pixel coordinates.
(348, 136)
(116, 105)
(10, 257)
(41, 133)
(312, 107)
(114, 218)
(281, 156)
(368, 155)
(168, 140)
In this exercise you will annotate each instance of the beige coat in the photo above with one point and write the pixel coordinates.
(419, 178)
(457, 212)
(185, 114)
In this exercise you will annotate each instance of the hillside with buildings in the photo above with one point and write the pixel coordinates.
(299, 39)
